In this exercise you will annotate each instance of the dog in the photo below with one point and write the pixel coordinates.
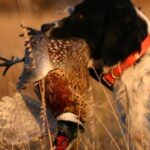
(118, 36)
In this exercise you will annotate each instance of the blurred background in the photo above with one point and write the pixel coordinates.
(35, 6)
(33, 13)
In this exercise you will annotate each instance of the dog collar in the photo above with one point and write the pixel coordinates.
(108, 79)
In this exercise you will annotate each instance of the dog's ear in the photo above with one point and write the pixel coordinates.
(124, 32)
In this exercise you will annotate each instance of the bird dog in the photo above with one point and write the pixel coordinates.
(118, 37)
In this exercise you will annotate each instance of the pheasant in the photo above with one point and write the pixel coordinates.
(58, 70)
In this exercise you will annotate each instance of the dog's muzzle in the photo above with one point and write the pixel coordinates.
(48, 27)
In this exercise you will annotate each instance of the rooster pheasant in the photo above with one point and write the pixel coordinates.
(58, 69)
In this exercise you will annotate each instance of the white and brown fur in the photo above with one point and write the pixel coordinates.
(132, 99)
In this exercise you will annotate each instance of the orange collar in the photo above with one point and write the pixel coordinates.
(109, 78)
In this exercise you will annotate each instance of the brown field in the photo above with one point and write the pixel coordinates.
(12, 45)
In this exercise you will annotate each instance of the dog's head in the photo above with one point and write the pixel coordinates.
(83, 22)
(112, 28)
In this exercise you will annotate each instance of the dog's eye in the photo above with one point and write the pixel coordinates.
(79, 16)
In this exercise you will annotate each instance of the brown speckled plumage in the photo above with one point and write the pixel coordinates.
(67, 86)
(62, 63)
(67, 83)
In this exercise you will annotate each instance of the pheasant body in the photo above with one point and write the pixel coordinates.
(59, 69)
(62, 63)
